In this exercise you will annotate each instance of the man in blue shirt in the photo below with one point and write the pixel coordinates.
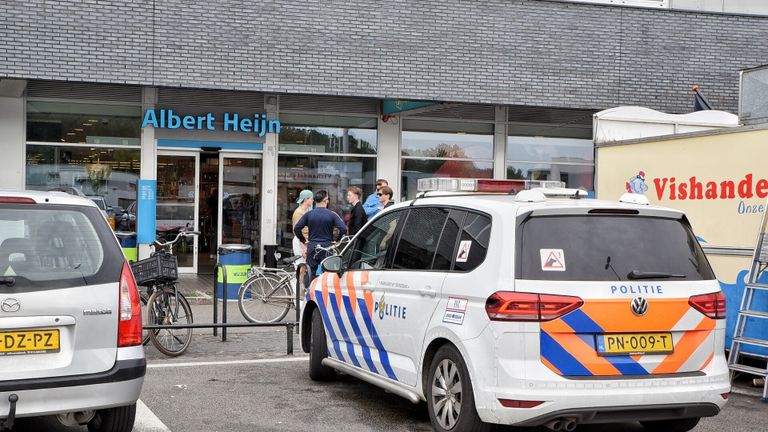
(321, 222)
(372, 204)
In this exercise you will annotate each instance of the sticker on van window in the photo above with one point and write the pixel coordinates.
(463, 254)
(552, 259)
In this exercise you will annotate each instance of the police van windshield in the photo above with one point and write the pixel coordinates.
(609, 248)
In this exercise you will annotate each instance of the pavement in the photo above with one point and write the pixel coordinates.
(249, 384)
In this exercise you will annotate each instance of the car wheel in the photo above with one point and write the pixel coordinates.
(450, 400)
(678, 425)
(119, 419)
(318, 350)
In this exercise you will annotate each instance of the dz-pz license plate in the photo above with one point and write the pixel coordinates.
(635, 344)
(29, 342)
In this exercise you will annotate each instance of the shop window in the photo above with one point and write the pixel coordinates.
(444, 149)
(327, 134)
(108, 176)
(319, 172)
(65, 122)
(541, 158)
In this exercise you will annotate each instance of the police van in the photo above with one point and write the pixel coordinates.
(519, 303)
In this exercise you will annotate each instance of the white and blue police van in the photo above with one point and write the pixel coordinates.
(522, 303)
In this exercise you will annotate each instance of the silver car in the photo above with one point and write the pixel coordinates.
(70, 320)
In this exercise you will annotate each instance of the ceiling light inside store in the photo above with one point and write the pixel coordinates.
(79, 129)
(70, 133)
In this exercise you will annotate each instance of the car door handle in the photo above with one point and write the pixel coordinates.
(428, 292)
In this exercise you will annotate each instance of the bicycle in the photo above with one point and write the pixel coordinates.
(271, 290)
(268, 294)
(165, 305)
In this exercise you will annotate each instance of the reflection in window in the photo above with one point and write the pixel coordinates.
(328, 134)
(83, 123)
(331, 173)
(108, 174)
(542, 158)
(444, 149)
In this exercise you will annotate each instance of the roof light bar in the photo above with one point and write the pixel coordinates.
(445, 184)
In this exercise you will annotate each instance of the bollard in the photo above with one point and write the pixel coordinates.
(224, 304)
(289, 342)
(215, 298)
(299, 290)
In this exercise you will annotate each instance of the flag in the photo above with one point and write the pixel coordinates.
(700, 103)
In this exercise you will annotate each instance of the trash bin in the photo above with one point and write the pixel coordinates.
(130, 248)
(236, 259)
(270, 260)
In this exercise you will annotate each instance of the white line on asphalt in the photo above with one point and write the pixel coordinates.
(227, 362)
(147, 421)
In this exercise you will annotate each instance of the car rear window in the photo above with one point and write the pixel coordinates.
(54, 246)
(609, 248)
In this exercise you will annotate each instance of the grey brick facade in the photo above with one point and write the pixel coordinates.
(516, 52)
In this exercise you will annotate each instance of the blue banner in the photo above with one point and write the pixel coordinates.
(392, 106)
(147, 206)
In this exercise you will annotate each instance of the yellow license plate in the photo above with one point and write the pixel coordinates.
(29, 342)
(635, 344)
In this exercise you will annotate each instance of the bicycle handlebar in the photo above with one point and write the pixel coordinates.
(179, 236)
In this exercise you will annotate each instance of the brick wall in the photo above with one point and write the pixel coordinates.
(521, 52)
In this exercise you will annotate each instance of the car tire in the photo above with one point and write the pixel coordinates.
(677, 425)
(449, 373)
(119, 419)
(318, 350)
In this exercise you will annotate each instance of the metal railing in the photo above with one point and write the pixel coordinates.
(224, 325)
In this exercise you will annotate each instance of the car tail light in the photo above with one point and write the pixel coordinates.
(515, 306)
(511, 403)
(16, 200)
(129, 326)
(711, 305)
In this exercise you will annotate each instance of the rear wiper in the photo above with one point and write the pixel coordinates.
(636, 274)
(6, 280)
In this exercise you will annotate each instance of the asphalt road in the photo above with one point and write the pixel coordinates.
(248, 384)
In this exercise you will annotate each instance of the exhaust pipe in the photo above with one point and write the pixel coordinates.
(554, 425)
(569, 425)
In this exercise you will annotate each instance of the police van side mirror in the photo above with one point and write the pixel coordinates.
(332, 264)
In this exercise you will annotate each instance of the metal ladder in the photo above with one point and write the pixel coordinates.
(747, 310)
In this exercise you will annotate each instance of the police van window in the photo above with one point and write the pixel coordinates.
(369, 252)
(419, 238)
(473, 244)
(446, 249)
(610, 248)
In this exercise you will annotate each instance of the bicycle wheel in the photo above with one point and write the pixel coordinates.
(266, 303)
(166, 309)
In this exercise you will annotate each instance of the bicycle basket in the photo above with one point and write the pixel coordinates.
(155, 269)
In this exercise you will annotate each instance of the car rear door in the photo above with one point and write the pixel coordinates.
(643, 284)
(60, 266)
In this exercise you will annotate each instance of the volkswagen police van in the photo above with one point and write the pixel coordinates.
(517, 303)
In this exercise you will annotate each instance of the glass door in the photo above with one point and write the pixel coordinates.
(177, 203)
(240, 201)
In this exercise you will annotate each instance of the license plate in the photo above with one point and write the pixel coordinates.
(635, 344)
(29, 342)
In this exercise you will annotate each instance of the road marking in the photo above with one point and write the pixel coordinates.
(227, 362)
(147, 421)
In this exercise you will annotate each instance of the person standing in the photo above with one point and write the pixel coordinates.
(305, 199)
(357, 216)
(321, 222)
(372, 205)
(385, 197)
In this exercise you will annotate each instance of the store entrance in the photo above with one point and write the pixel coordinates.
(215, 193)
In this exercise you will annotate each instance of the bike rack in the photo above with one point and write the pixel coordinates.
(224, 325)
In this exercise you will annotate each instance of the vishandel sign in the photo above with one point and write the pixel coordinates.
(230, 122)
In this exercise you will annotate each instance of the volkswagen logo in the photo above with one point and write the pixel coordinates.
(10, 305)
(639, 306)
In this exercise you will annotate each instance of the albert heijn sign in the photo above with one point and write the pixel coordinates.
(230, 122)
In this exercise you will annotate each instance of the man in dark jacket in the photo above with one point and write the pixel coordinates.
(321, 222)
(357, 217)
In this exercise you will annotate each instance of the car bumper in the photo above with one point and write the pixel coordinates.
(118, 386)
